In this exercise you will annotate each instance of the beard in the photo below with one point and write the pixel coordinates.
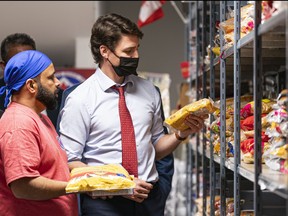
(47, 98)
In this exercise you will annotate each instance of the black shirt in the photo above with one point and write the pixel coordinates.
(2, 97)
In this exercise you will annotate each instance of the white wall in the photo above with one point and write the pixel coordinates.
(55, 25)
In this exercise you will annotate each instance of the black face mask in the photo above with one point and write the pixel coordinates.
(126, 67)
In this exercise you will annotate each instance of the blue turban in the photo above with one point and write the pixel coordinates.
(21, 67)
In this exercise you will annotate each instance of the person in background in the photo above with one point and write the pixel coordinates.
(91, 130)
(11, 45)
(33, 166)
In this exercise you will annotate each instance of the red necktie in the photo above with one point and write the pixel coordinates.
(129, 153)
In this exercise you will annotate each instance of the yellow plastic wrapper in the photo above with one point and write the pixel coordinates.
(281, 152)
(110, 179)
(216, 50)
(200, 107)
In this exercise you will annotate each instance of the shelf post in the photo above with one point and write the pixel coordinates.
(237, 101)
(222, 114)
(204, 95)
(257, 96)
(189, 156)
(197, 97)
(286, 15)
(212, 96)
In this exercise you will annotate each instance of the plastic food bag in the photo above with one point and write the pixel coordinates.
(200, 107)
(102, 180)
(278, 152)
(248, 109)
(228, 25)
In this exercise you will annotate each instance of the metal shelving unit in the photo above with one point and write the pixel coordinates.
(237, 95)
(212, 176)
(262, 50)
(257, 97)
(223, 5)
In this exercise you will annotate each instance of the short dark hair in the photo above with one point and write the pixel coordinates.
(108, 29)
(15, 40)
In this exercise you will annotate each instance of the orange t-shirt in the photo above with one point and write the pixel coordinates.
(29, 148)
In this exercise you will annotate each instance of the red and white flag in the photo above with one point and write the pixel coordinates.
(150, 11)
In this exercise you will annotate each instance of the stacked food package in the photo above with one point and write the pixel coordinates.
(101, 180)
(274, 122)
(217, 205)
(247, 25)
(276, 157)
(247, 129)
(201, 107)
(215, 126)
(269, 9)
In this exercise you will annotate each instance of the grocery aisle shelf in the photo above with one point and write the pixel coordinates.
(241, 68)
(275, 182)
(271, 39)
(271, 180)
(269, 25)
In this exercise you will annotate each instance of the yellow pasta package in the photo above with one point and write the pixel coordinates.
(102, 180)
(200, 107)
(281, 152)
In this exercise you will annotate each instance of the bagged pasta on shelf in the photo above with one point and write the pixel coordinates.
(247, 213)
(271, 8)
(276, 156)
(277, 115)
(277, 164)
(228, 25)
(247, 124)
(284, 166)
(199, 204)
(201, 107)
(282, 99)
(277, 129)
(281, 152)
(244, 99)
(102, 180)
(247, 150)
(215, 126)
(248, 109)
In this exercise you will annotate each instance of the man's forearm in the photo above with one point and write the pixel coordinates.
(38, 188)
(76, 164)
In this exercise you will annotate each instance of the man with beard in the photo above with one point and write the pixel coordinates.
(33, 166)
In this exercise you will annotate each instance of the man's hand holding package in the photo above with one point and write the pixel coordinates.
(195, 124)
(141, 191)
(191, 116)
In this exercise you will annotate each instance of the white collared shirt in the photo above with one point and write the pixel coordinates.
(90, 123)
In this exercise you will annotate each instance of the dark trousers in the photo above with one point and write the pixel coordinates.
(154, 205)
